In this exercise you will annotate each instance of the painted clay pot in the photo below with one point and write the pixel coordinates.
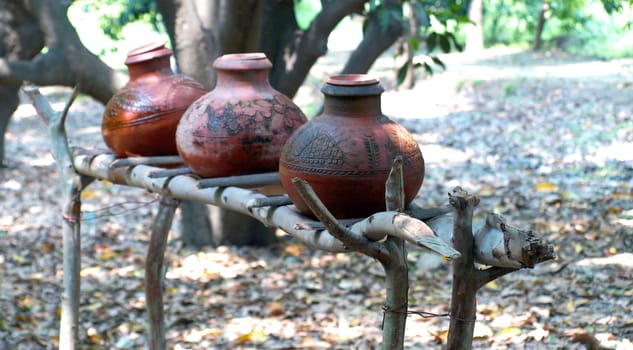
(240, 126)
(346, 153)
(141, 118)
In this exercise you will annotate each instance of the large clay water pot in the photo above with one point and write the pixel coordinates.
(240, 126)
(141, 118)
(346, 153)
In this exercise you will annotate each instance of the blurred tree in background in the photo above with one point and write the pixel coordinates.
(591, 27)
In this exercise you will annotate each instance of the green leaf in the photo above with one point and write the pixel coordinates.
(428, 68)
(402, 72)
(445, 44)
(457, 45)
(431, 42)
(438, 61)
(415, 43)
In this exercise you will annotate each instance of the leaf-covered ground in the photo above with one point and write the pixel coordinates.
(546, 140)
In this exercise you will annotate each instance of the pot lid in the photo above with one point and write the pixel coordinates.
(352, 85)
(243, 61)
(147, 52)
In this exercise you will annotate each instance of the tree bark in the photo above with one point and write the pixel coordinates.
(67, 62)
(540, 25)
(195, 225)
(154, 264)
(20, 38)
(475, 31)
(297, 53)
(396, 268)
(202, 30)
(378, 37)
(464, 291)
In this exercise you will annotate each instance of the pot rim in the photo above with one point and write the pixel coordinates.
(352, 85)
(147, 52)
(243, 61)
(352, 80)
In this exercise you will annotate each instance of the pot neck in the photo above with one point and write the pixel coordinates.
(254, 77)
(155, 66)
(352, 106)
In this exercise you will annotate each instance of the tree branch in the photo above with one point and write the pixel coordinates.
(154, 263)
(378, 37)
(490, 274)
(350, 240)
(511, 247)
(307, 46)
(499, 242)
(67, 62)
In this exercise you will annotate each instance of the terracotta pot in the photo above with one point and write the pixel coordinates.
(241, 126)
(141, 118)
(347, 152)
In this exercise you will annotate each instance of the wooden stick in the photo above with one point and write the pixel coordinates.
(273, 201)
(395, 266)
(154, 272)
(464, 291)
(170, 172)
(71, 185)
(249, 181)
(160, 160)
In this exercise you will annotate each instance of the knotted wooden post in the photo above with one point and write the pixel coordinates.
(509, 247)
(154, 272)
(386, 248)
(396, 268)
(71, 185)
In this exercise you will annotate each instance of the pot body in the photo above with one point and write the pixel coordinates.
(347, 152)
(141, 118)
(240, 126)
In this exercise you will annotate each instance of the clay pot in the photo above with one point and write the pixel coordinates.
(240, 126)
(347, 152)
(141, 118)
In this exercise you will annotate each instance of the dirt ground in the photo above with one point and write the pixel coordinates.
(544, 139)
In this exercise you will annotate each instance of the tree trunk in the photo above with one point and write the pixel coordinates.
(275, 36)
(407, 49)
(540, 25)
(20, 38)
(475, 31)
(201, 31)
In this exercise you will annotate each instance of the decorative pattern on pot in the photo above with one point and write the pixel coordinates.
(346, 153)
(141, 118)
(240, 126)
